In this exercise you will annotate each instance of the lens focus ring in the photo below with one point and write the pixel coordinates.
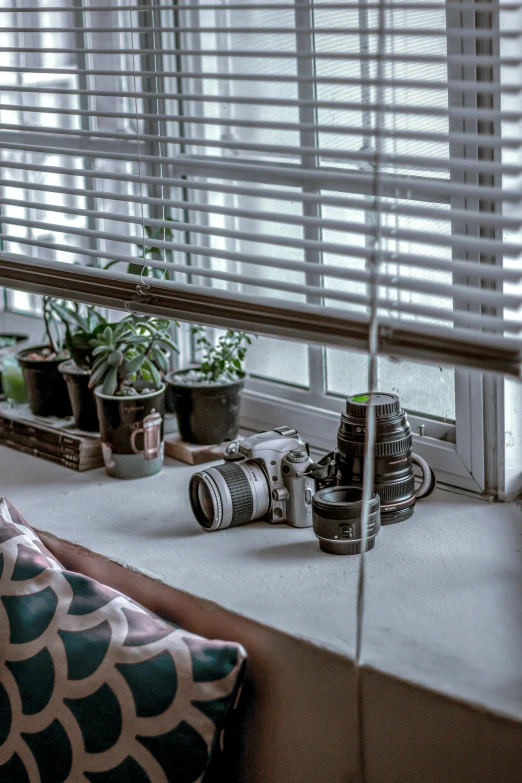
(390, 448)
(240, 492)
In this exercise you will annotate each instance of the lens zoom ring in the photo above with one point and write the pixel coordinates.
(390, 448)
(240, 492)
(401, 489)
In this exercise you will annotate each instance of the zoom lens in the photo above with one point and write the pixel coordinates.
(393, 472)
(337, 518)
(229, 495)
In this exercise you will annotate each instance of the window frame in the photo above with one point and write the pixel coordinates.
(457, 451)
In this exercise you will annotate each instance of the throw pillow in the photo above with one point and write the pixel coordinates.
(94, 687)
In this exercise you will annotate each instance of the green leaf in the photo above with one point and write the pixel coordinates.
(170, 343)
(101, 349)
(115, 358)
(160, 359)
(98, 363)
(110, 382)
(135, 269)
(153, 371)
(134, 364)
(107, 335)
(119, 330)
(69, 316)
(98, 374)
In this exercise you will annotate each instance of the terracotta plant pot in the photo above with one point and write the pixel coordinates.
(132, 433)
(46, 388)
(206, 414)
(83, 401)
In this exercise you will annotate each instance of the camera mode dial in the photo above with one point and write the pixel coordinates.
(297, 456)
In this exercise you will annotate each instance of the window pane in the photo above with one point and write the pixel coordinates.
(279, 360)
(421, 388)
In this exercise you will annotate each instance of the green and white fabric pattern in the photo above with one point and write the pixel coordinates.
(93, 687)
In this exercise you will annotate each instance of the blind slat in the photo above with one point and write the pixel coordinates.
(329, 179)
(420, 84)
(440, 138)
(326, 153)
(343, 249)
(472, 5)
(488, 60)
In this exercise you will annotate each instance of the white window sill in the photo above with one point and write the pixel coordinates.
(443, 589)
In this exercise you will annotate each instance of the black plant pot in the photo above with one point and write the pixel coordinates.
(206, 414)
(132, 433)
(45, 386)
(83, 401)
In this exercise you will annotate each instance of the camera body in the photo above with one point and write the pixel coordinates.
(285, 461)
(263, 477)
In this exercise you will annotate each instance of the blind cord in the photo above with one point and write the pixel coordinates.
(369, 440)
(142, 288)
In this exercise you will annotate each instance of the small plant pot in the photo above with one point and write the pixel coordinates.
(9, 350)
(132, 433)
(206, 414)
(83, 401)
(45, 386)
(17, 338)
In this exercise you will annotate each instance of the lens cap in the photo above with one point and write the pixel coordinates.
(384, 404)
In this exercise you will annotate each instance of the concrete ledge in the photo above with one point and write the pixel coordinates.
(299, 720)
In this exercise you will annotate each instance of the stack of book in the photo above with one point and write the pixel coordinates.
(51, 438)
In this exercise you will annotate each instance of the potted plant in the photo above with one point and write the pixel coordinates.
(129, 358)
(45, 386)
(11, 375)
(82, 323)
(207, 397)
(141, 267)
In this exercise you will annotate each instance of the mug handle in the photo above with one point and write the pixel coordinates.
(133, 440)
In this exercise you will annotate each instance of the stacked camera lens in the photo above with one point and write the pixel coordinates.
(337, 520)
(393, 469)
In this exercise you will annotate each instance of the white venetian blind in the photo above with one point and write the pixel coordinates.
(296, 169)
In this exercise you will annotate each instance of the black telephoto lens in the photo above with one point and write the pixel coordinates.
(393, 473)
(337, 520)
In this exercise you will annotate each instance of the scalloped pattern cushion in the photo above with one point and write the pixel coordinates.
(93, 687)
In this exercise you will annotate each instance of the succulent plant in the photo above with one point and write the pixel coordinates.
(223, 360)
(83, 323)
(132, 350)
(6, 341)
(52, 321)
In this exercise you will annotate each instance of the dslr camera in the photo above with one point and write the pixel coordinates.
(263, 476)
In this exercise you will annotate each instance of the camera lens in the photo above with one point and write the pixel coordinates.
(205, 500)
(393, 472)
(337, 516)
(229, 495)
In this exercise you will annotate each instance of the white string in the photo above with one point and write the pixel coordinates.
(369, 440)
(142, 287)
(157, 29)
